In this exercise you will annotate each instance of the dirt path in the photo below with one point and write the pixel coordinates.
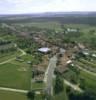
(75, 87)
(13, 90)
(23, 53)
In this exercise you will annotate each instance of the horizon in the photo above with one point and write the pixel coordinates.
(37, 6)
(34, 13)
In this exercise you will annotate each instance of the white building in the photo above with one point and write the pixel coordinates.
(44, 50)
(71, 30)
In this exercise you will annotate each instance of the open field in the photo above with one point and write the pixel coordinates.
(38, 97)
(14, 76)
(88, 63)
(41, 25)
(37, 86)
(90, 80)
(7, 56)
(9, 37)
(6, 95)
(61, 96)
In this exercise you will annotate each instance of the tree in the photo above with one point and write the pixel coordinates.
(59, 85)
(82, 83)
(82, 96)
(31, 95)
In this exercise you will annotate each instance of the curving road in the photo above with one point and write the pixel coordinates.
(9, 60)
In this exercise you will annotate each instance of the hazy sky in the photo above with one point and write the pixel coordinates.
(34, 6)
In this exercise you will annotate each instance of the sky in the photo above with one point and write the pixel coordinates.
(39, 6)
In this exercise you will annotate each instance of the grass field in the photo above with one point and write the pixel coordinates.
(8, 37)
(42, 25)
(37, 86)
(7, 56)
(61, 96)
(14, 76)
(6, 95)
(90, 80)
(38, 97)
(88, 63)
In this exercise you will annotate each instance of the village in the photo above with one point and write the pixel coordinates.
(40, 60)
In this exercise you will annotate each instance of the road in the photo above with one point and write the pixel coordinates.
(13, 90)
(23, 52)
(75, 87)
(48, 79)
(11, 59)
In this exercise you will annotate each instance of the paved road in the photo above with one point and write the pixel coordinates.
(13, 90)
(48, 79)
(75, 87)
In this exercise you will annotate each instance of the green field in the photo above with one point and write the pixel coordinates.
(14, 76)
(90, 80)
(6, 95)
(61, 96)
(93, 65)
(42, 25)
(38, 86)
(7, 56)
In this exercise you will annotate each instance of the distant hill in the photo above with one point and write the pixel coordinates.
(63, 17)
